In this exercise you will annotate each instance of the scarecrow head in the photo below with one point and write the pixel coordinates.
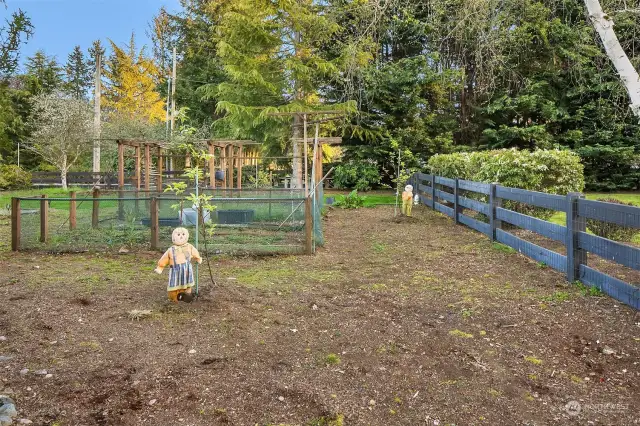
(180, 236)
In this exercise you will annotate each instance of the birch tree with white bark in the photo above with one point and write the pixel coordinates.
(603, 24)
(62, 130)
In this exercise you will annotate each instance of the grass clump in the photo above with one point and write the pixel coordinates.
(533, 360)
(588, 291)
(503, 248)
(332, 359)
(458, 333)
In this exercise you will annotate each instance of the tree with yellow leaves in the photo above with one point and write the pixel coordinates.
(132, 80)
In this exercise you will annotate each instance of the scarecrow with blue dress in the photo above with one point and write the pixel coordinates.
(178, 257)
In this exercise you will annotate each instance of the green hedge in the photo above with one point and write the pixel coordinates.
(550, 171)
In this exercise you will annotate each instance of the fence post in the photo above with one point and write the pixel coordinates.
(155, 225)
(15, 224)
(308, 226)
(494, 204)
(95, 214)
(44, 219)
(72, 211)
(456, 206)
(575, 224)
(433, 191)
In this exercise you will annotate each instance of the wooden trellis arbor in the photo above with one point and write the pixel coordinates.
(229, 155)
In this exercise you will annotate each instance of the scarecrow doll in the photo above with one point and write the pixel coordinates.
(178, 257)
(407, 200)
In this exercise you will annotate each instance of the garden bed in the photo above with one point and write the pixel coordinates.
(393, 322)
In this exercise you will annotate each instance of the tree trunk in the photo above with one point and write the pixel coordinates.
(628, 74)
(63, 172)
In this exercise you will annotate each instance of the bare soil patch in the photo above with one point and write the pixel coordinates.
(391, 323)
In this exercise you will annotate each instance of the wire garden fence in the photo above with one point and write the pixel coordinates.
(246, 222)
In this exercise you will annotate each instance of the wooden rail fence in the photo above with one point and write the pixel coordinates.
(434, 190)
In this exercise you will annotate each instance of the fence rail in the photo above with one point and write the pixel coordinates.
(445, 195)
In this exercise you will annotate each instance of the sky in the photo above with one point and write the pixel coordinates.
(62, 24)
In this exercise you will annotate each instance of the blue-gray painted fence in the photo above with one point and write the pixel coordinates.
(574, 236)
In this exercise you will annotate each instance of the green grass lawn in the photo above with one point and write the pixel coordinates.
(371, 199)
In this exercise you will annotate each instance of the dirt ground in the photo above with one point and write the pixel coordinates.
(392, 323)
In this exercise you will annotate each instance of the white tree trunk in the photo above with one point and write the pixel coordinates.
(628, 74)
(63, 179)
(63, 172)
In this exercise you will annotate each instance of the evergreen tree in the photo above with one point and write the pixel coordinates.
(44, 74)
(78, 74)
(18, 30)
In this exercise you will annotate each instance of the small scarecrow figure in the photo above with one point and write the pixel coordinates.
(407, 200)
(178, 257)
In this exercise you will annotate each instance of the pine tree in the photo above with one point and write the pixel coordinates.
(271, 52)
(78, 74)
(132, 80)
(44, 74)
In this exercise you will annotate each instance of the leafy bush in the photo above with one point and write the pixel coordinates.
(351, 201)
(609, 168)
(550, 171)
(14, 177)
(611, 231)
(359, 175)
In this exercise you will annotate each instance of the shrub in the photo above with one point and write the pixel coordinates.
(611, 231)
(351, 201)
(14, 177)
(360, 175)
(610, 168)
(550, 171)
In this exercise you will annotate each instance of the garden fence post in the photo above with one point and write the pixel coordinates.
(308, 226)
(95, 214)
(72, 211)
(433, 191)
(44, 219)
(494, 204)
(155, 225)
(575, 224)
(456, 205)
(15, 224)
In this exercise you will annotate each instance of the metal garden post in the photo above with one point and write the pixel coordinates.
(575, 224)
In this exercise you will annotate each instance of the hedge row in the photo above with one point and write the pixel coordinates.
(550, 171)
